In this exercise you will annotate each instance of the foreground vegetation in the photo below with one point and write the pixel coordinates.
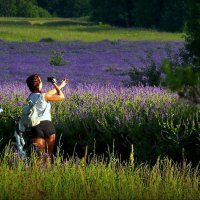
(34, 29)
(95, 177)
(150, 118)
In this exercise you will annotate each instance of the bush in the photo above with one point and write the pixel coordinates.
(173, 16)
(184, 79)
(8, 8)
(27, 9)
(146, 75)
(193, 33)
(57, 58)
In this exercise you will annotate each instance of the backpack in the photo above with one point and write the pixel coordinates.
(29, 117)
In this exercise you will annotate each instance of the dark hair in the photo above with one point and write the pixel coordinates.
(33, 82)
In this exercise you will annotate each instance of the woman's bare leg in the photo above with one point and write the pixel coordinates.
(50, 141)
(40, 143)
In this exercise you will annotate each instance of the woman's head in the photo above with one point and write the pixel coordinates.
(34, 83)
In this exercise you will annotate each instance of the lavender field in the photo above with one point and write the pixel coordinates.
(99, 108)
(103, 62)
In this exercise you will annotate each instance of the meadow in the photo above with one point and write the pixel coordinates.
(25, 29)
(115, 141)
(101, 179)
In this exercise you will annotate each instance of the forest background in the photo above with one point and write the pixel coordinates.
(156, 14)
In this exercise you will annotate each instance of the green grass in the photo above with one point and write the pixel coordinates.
(96, 179)
(28, 29)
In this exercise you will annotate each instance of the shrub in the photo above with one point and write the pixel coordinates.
(27, 9)
(57, 58)
(193, 32)
(149, 75)
(184, 79)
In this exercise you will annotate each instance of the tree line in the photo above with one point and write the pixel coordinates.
(160, 14)
(22, 8)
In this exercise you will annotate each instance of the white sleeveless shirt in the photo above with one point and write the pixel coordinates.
(43, 107)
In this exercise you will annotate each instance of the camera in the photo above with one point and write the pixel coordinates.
(52, 80)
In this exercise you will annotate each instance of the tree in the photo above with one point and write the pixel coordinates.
(193, 33)
(173, 16)
(159, 14)
(186, 78)
(21, 8)
(147, 13)
(8, 9)
(66, 8)
(183, 79)
(26, 8)
(51, 6)
(115, 12)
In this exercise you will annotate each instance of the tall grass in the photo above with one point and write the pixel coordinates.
(22, 29)
(97, 178)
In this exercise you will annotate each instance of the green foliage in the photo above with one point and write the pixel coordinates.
(68, 29)
(173, 15)
(146, 75)
(193, 32)
(74, 8)
(27, 9)
(48, 5)
(8, 9)
(183, 79)
(147, 13)
(157, 124)
(112, 12)
(22, 8)
(159, 14)
(57, 58)
(94, 177)
(69, 8)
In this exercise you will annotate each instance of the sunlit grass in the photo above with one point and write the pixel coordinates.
(22, 29)
(94, 177)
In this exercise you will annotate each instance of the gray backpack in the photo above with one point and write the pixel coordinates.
(29, 117)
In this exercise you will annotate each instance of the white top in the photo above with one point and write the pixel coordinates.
(43, 107)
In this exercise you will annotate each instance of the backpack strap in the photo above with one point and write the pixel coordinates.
(33, 104)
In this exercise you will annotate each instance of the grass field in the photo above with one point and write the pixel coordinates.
(100, 179)
(28, 29)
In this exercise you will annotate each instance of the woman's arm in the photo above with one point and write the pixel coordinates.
(54, 91)
(56, 94)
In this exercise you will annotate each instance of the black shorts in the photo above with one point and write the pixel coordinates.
(43, 130)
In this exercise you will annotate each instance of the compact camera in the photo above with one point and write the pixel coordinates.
(52, 80)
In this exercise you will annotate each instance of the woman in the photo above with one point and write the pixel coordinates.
(43, 135)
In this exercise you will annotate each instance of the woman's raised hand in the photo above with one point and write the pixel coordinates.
(64, 83)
